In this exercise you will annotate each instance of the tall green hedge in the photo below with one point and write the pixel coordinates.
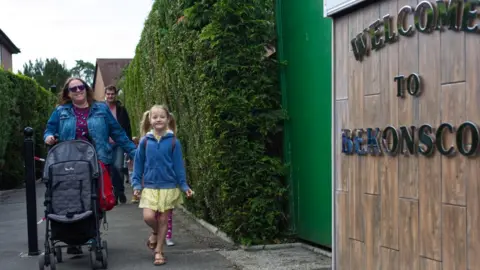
(207, 61)
(23, 103)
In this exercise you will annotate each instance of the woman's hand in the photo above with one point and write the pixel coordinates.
(50, 140)
(189, 193)
(137, 193)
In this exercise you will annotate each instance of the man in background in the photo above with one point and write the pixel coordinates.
(120, 113)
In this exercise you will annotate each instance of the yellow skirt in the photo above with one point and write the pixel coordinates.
(160, 200)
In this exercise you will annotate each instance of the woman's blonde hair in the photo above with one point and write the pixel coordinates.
(145, 125)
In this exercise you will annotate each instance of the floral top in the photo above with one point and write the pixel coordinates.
(82, 128)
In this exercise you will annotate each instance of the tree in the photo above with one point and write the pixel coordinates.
(47, 73)
(121, 84)
(84, 70)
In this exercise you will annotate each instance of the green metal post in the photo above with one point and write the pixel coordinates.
(286, 134)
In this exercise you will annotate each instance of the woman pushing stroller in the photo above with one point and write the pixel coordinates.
(79, 117)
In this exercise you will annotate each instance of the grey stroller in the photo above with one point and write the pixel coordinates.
(72, 214)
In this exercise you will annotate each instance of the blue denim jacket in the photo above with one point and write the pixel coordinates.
(101, 126)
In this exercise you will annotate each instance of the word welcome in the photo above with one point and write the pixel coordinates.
(458, 15)
(411, 140)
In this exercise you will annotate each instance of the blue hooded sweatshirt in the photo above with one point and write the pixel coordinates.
(160, 167)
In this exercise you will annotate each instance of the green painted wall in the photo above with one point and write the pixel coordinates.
(305, 45)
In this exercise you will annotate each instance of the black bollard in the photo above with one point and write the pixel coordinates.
(29, 155)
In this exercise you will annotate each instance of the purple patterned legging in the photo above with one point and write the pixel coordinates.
(170, 225)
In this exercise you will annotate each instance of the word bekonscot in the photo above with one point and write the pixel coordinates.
(412, 140)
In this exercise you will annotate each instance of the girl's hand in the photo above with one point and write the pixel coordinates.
(137, 192)
(189, 193)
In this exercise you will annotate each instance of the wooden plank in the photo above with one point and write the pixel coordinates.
(372, 232)
(452, 61)
(355, 75)
(372, 101)
(389, 214)
(409, 259)
(389, 165)
(429, 172)
(388, 70)
(453, 168)
(342, 243)
(454, 223)
(357, 216)
(472, 87)
(343, 167)
(341, 57)
(407, 109)
(357, 255)
(430, 234)
(357, 163)
(473, 214)
(372, 117)
(427, 264)
(371, 64)
(344, 170)
(389, 259)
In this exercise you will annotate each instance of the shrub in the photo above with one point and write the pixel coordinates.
(206, 61)
(23, 103)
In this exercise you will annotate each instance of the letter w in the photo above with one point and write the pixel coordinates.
(359, 46)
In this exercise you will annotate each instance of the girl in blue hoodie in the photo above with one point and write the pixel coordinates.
(159, 160)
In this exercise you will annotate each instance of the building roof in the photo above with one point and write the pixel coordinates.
(111, 69)
(7, 43)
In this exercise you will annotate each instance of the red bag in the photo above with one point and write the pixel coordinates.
(105, 190)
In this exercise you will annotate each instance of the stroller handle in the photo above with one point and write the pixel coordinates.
(89, 139)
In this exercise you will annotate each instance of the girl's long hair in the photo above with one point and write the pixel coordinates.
(145, 125)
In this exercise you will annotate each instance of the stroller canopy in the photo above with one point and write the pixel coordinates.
(71, 151)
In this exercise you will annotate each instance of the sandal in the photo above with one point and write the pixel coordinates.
(152, 245)
(159, 261)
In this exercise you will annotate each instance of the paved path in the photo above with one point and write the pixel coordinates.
(196, 248)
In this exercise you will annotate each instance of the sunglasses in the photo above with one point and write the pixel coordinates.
(77, 88)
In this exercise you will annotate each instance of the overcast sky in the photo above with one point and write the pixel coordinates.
(73, 29)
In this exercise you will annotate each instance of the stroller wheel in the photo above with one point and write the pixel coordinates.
(58, 254)
(104, 255)
(41, 262)
(51, 261)
(94, 263)
(105, 246)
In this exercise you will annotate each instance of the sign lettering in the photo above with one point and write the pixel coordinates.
(423, 140)
(456, 15)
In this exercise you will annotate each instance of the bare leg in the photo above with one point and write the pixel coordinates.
(170, 225)
(150, 218)
(162, 232)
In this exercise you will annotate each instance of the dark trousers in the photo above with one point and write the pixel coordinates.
(116, 171)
